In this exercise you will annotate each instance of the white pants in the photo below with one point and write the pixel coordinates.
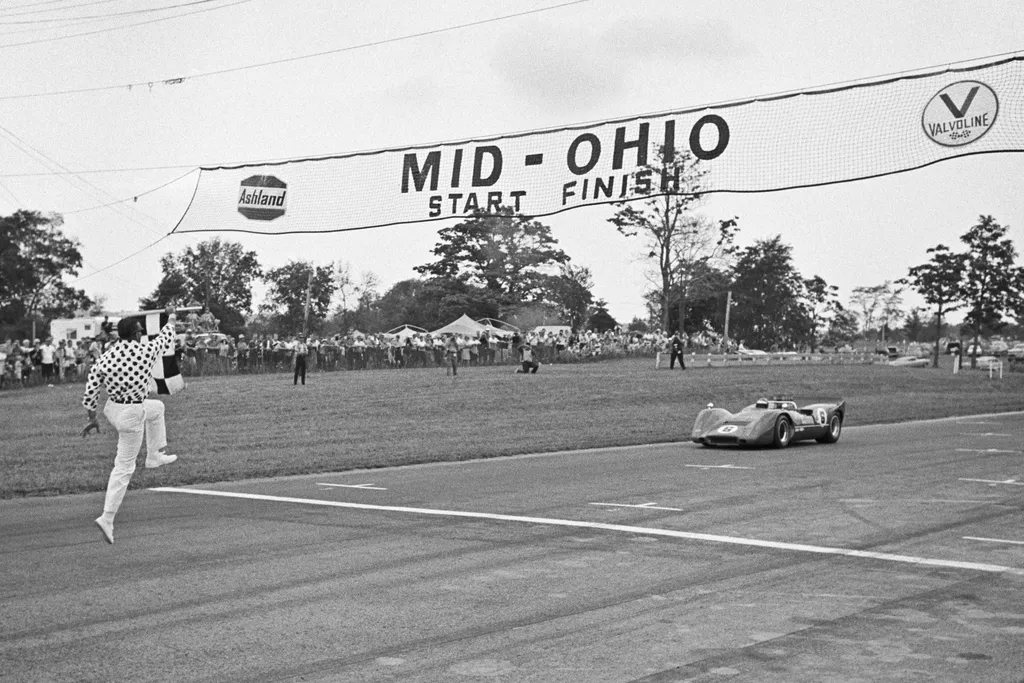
(132, 420)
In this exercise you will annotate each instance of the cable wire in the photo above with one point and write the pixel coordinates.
(118, 28)
(111, 15)
(286, 60)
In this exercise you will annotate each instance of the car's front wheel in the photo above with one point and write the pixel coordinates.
(835, 428)
(783, 433)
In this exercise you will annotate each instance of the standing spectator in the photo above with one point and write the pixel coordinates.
(3, 364)
(299, 351)
(224, 355)
(47, 358)
(106, 329)
(452, 355)
(242, 348)
(677, 348)
(125, 372)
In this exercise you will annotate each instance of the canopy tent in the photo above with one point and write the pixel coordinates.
(403, 332)
(464, 325)
(499, 325)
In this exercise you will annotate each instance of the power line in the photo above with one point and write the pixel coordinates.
(117, 263)
(132, 198)
(110, 15)
(118, 28)
(286, 60)
(30, 151)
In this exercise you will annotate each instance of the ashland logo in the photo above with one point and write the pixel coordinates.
(960, 113)
(261, 198)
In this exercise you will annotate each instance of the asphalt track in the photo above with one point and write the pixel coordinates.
(895, 555)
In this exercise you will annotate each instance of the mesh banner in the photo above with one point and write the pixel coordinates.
(813, 137)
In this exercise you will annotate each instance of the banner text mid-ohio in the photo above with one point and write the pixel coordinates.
(814, 137)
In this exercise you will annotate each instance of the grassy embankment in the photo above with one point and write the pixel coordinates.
(238, 427)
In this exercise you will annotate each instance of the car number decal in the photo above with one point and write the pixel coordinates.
(727, 429)
(821, 415)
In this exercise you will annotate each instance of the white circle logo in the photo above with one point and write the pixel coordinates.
(960, 113)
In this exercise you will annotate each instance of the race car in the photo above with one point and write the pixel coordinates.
(769, 422)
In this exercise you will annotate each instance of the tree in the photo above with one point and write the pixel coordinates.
(914, 326)
(822, 300)
(357, 299)
(433, 303)
(569, 292)
(989, 286)
(703, 249)
(939, 283)
(663, 194)
(768, 290)
(843, 328)
(879, 305)
(600, 319)
(35, 256)
(286, 296)
(509, 255)
(216, 274)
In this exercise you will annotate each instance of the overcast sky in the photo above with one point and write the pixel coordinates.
(377, 84)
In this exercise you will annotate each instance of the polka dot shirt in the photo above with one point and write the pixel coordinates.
(126, 368)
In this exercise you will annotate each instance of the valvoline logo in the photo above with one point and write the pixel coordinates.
(960, 113)
(262, 197)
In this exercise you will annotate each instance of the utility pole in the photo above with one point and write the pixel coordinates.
(309, 291)
(728, 307)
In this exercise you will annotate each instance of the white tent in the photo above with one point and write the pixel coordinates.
(403, 332)
(464, 325)
(498, 328)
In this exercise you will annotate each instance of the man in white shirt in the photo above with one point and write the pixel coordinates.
(48, 352)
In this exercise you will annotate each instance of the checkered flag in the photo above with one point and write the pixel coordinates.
(166, 376)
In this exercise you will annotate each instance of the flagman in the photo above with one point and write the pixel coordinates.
(125, 370)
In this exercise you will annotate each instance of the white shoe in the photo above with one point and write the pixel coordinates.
(160, 459)
(107, 528)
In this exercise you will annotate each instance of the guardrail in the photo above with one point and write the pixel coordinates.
(719, 360)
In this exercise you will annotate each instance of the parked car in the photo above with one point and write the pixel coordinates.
(953, 347)
(980, 350)
(910, 362)
(1015, 352)
(998, 348)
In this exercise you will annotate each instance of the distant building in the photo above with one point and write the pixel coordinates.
(78, 328)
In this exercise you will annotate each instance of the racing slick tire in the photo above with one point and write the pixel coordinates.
(782, 434)
(835, 428)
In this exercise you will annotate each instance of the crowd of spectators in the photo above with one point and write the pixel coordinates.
(32, 362)
(204, 352)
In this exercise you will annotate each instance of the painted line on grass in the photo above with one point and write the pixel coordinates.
(712, 538)
(993, 540)
(993, 482)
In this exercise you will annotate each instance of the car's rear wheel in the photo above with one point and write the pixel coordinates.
(835, 428)
(783, 433)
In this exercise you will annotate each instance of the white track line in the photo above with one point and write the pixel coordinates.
(775, 545)
(993, 540)
(645, 506)
(370, 487)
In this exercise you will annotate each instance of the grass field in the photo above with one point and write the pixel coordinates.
(238, 427)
